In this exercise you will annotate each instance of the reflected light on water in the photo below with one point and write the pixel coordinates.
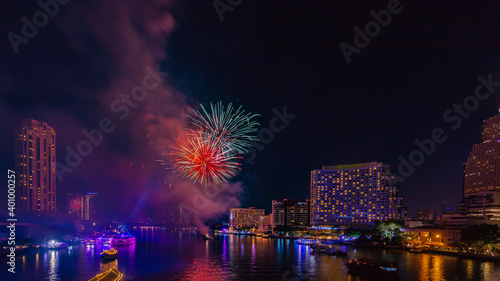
(254, 254)
(171, 257)
(53, 265)
(37, 263)
(108, 265)
(224, 250)
(424, 267)
(202, 269)
(437, 270)
(489, 271)
(469, 269)
(431, 267)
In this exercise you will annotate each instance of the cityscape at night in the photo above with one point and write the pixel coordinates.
(250, 140)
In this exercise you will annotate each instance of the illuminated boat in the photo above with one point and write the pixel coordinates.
(207, 237)
(92, 240)
(329, 250)
(106, 239)
(304, 242)
(54, 245)
(373, 268)
(110, 275)
(108, 255)
(416, 250)
(123, 240)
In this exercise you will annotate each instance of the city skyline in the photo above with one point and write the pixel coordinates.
(250, 140)
(490, 132)
(377, 118)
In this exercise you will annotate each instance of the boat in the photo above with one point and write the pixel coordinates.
(328, 249)
(106, 239)
(378, 269)
(265, 235)
(54, 245)
(123, 240)
(319, 245)
(336, 252)
(302, 241)
(110, 275)
(92, 240)
(415, 250)
(108, 255)
(207, 237)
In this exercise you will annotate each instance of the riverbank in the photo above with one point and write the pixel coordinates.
(430, 250)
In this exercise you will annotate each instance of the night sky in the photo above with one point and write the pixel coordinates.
(263, 55)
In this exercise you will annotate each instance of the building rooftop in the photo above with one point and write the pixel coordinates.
(352, 166)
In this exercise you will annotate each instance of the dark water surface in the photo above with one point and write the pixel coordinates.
(167, 255)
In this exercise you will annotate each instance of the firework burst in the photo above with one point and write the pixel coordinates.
(204, 158)
(228, 122)
(209, 152)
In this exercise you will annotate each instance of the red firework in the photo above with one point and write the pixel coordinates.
(205, 158)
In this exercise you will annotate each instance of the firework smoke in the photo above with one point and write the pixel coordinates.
(104, 50)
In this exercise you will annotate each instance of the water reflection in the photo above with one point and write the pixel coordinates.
(105, 266)
(254, 254)
(437, 267)
(53, 264)
(469, 269)
(167, 255)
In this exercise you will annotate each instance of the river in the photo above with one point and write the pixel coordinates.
(175, 255)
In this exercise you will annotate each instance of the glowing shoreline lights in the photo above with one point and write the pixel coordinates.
(209, 152)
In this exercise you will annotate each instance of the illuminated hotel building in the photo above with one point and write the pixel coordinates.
(354, 195)
(266, 223)
(36, 166)
(290, 212)
(482, 176)
(240, 217)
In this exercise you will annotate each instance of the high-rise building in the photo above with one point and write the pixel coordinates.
(266, 222)
(354, 195)
(82, 207)
(36, 166)
(482, 169)
(482, 176)
(290, 212)
(241, 217)
(426, 215)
